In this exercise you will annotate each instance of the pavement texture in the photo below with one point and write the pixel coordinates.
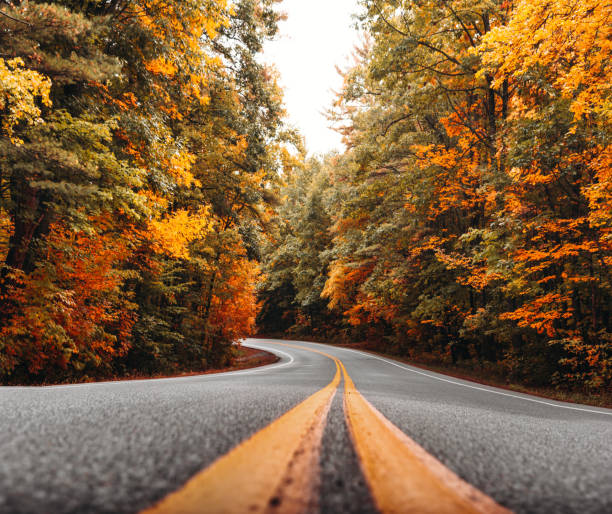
(343, 486)
(122, 446)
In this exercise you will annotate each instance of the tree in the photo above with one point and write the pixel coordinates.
(138, 149)
(470, 215)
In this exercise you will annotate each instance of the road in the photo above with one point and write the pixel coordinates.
(278, 437)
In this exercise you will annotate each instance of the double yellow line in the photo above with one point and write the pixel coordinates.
(276, 470)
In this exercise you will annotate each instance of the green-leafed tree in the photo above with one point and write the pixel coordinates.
(138, 159)
(470, 211)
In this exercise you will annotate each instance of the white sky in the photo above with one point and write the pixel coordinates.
(317, 36)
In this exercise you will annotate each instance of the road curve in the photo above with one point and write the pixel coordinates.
(127, 446)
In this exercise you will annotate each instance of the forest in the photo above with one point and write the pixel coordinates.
(470, 217)
(141, 142)
(156, 207)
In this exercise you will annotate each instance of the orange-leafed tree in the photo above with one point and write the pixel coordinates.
(70, 315)
(558, 199)
(130, 132)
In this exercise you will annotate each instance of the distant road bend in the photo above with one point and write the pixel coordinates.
(325, 429)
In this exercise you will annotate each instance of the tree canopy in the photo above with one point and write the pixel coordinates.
(138, 145)
(469, 217)
(154, 205)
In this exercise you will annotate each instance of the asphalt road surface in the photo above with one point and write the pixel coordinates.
(124, 446)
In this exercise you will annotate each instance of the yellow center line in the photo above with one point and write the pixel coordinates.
(275, 469)
(312, 350)
(401, 475)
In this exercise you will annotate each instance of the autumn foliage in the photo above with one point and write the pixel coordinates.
(151, 207)
(469, 219)
(138, 141)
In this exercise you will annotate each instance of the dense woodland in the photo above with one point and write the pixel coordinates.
(139, 141)
(470, 217)
(154, 205)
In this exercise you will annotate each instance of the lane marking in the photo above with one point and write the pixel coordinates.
(275, 468)
(259, 369)
(501, 393)
(263, 368)
(401, 475)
